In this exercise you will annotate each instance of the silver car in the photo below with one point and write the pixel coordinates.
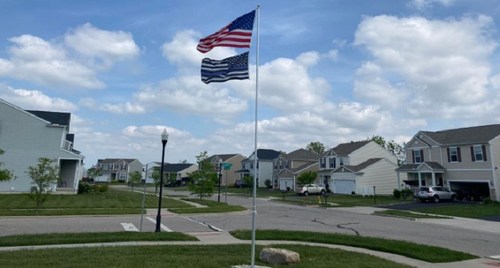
(435, 194)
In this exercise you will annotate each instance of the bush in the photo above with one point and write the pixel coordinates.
(268, 183)
(84, 187)
(396, 193)
(406, 193)
(103, 188)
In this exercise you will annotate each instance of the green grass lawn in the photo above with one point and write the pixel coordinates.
(465, 210)
(416, 251)
(111, 202)
(211, 207)
(78, 238)
(215, 256)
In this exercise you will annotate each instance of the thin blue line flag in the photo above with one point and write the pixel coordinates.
(235, 67)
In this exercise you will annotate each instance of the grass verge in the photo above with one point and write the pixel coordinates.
(79, 238)
(408, 214)
(416, 251)
(211, 207)
(213, 256)
(465, 210)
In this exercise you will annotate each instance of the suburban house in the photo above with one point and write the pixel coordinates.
(116, 169)
(26, 136)
(289, 166)
(362, 167)
(464, 159)
(229, 163)
(265, 165)
(179, 172)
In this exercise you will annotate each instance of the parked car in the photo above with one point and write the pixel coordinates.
(311, 189)
(435, 194)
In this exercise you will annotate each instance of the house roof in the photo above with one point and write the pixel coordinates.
(301, 167)
(417, 167)
(347, 148)
(267, 154)
(302, 154)
(361, 166)
(114, 160)
(468, 135)
(58, 118)
(175, 167)
(223, 157)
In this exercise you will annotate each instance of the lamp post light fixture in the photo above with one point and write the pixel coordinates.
(164, 139)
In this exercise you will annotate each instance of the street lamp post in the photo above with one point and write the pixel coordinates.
(164, 139)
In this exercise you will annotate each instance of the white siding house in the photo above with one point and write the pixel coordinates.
(26, 136)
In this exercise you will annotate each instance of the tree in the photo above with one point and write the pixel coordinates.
(43, 176)
(307, 177)
(5, 174)
(134, 178)
(156, 175)
(317, 147)
(94, 172)
(204, 179)
(393, 147)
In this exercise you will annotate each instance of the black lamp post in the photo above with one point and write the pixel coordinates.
(220, 178)
(164, 139)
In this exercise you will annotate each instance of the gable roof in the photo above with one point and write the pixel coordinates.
(57, 118)
(267, 154)
(302, 154)
(114, 160)
(468, 135)
(175, 167)
(347, 148)
(361, 166)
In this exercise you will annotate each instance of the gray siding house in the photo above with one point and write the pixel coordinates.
(464, 159)
(288, 167)
(26, 136)
(115, 169)
(265, 165)
(362, 167)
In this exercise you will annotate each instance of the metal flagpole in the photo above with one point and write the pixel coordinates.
(254, 207)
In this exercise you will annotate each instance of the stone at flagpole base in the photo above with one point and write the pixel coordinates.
(279, 256)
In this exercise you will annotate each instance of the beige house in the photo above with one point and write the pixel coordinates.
(230, 163)
(289, 166)
(362, 167)
(464, 159)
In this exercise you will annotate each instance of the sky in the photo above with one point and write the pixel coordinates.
(330, 71)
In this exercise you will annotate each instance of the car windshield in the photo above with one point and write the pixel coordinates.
(424, 189)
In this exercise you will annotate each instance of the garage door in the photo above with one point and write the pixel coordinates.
(286, 182)
(343, 186)
(470, 190)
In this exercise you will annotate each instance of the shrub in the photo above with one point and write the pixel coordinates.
(103, 188)
(396, 193)
(406, 193)
(84, 187)
(268, 183)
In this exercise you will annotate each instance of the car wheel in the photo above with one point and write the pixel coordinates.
(422, 200)
(435, 199)
(306, 193)
(322, 192)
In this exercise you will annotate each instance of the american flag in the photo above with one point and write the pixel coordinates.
(237, 34)
(235, 67)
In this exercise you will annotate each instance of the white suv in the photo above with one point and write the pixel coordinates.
(435, 194)
(311, 189)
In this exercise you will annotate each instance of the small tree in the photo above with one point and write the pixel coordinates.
(317, 147)
(248, 182)
(94, 172)
(43, 175)
(156, 177)
(134, 178)
(204, 179)
(5, 174)
(307, 177)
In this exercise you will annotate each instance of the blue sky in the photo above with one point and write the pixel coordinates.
(329, 71)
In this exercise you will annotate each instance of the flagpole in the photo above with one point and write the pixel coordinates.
(254, 207)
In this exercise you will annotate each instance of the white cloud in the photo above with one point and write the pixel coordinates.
(108, 46)
(116, 108)
(35, 100)
(425, 4)
(36, 60)
(428, 66)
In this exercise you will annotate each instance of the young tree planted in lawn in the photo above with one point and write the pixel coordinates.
(307, 177)
(156, 177)
(134, 178)
(43, 176)
(94, 172)
(204, 179)
(5, 174)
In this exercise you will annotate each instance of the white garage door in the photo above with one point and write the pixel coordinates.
(343, 186)
(286, 182)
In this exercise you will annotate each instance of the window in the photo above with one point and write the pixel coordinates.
(332, 162)
(323, 162)
(478, 153)
(454, 155)
(418, 156)
(341, 161)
